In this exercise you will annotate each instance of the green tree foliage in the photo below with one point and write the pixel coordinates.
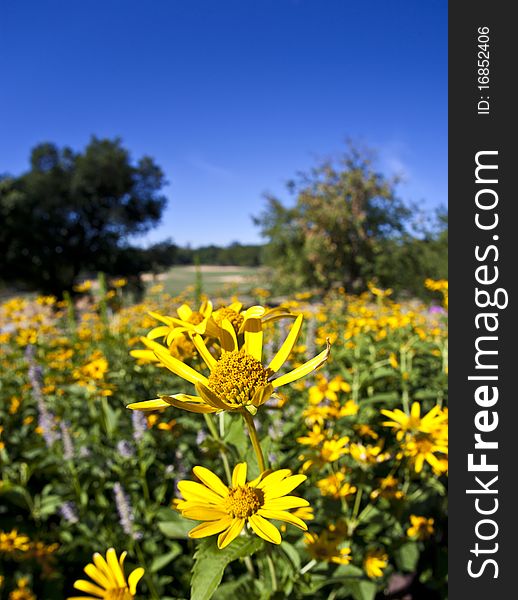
(73, 212)
(344, 210)
(346, 227)
(410, 259)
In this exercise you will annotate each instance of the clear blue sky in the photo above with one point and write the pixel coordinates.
(231, 97)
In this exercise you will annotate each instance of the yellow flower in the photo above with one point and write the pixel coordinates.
(22, 592)
(367, 455)
(330, 451)
(188, 320)
(348, 409)
(324, 547)
(83, 287)
(388, 488)
(374, 563)
(226, 510)
(421, 527)
(327, 390)
(393, 360)
(119, 283)
(238, 380)
(429, 423)
(378, 292)
(333, 485)
(14, 405)
(313, 438)
(13, 542)
(110, 582)
(364, 430)
(422, 447)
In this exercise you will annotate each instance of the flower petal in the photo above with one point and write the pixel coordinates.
(198, 491)
(285, 503)
(227, 336)
(86, 586)
(303, 370)
(184, 312)
(210, 397)
(254, 338)
(282, 488)
(211, 480)
(144, 355)
(135, 576)
(208, 359)
(157, 332)
(231, 533)
(113, 563)
(239, 474)
(177, 367)
(102, 565)
(193, 404)
(265, 529)
(208, 513)
(274, 477)
(97, 575)
(283, 515)
(284, 351)
(210, 528)
(148, 405)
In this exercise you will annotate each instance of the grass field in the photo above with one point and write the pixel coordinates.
(215, 279)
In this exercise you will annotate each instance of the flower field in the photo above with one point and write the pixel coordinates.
(181, 448)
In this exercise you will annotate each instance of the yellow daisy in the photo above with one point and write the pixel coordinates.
(22, 592)
(433, 421)
(237, 380)
(110, 582)
(226, 510)
(326, 547)
(422, 447)
(188, 320)
(421, 527)
(374, 563)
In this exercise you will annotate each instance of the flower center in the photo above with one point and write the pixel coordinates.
(423, 444)
(237, 376)
(243, 501)
(195, 318)
(118, 594)
(228, 313)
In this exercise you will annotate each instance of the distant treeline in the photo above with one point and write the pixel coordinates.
(167, 254)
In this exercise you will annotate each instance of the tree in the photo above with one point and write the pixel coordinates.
(73, 212)
(345, 211)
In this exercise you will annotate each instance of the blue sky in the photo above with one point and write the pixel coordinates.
(231, 97)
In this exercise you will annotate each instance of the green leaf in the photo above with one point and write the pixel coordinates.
(236, 436)
(291, 554)
(210, 563)
(176, 526)
(363, 590)
(161, 561)
(406, 556)
(348, 571)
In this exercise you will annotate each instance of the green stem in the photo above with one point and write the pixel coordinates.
(357, 502)
(214, 433)
(252, 432)
(249, 566)
(273, 575)
(308, 566)
(143, 478)
(149, 579)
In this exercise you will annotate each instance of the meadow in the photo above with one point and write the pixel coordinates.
(280, 449)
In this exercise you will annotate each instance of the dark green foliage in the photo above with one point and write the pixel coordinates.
(73, 212)
(348, 227)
